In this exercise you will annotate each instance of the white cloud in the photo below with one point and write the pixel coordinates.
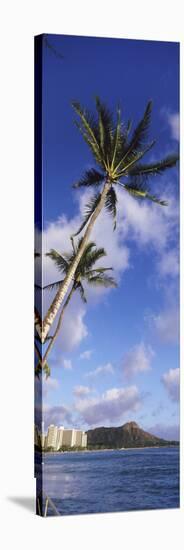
(104, 369)
(50, 383)
(174, 123)
(80, 391)
(137, 360)
(171, 381)
(169, 263)
(110, 406)
(166, 324)
(74, 329)
(57, 415)
(43, 387)
(147, 223)
(67, 364)
(86, 354)
(42, 390)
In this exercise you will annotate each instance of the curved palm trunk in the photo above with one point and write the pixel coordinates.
(37, 322)
(58, 327)
(53, 309)
(43, 361)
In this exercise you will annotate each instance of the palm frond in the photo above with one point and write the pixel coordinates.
(105, 125)
(93, 257)
(38, 371)
(154, 168)
(143, 193)
(102, 280)
(81, 268)
(138, 138)
(134, 157)
(88, 248)
(87, 120)
(111, 202)
(117, 141)
(141, 130)
(128, 127)
(60, 261)
(90, 177)
(120, 144)
(94, 148)
(46, 369)
(97, 270)
(89, 129)
(152, 198)
(53, 286)
(90, 207)
(80, 287)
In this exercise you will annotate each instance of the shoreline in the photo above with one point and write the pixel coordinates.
(105, 450)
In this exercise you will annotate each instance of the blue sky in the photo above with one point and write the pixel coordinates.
(116, 359)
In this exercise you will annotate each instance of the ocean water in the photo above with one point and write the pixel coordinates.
(112, 481)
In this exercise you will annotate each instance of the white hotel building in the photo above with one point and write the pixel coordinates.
(59, 440)
(59, 437)
(51, 437)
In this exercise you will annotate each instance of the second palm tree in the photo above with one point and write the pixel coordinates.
(86, 272)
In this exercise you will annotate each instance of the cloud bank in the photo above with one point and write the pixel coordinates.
(174, 123)
(109, 407)
(81, 391)
(104, 369)
(171, 381)
(137, 360)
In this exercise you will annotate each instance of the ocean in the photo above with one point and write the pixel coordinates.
(112, 481)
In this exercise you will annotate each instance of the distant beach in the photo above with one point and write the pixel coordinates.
(85, 451)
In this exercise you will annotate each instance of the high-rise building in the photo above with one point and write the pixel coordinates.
(78, 438)
(59, 437)
(59, 441)
(52, 436)
(69, 438)
(84, 439)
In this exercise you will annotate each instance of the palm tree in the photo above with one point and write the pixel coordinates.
(118, 153)
(85, 272)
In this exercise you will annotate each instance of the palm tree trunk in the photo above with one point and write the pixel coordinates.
(37, 322)
(53, 309)
(51, 343)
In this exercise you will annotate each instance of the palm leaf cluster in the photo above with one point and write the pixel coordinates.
(39, 369)
(118, 153)
(86, 270)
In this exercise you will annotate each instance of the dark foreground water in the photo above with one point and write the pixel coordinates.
(112, 481)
